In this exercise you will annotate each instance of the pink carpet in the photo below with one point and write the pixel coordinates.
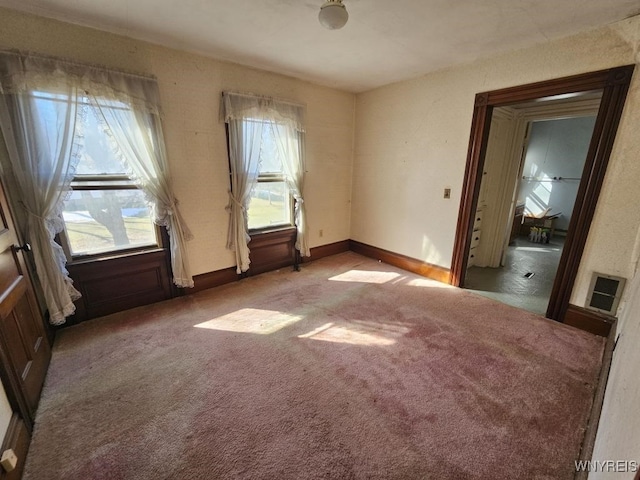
(349, 369)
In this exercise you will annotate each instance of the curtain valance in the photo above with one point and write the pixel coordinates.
(236, 106)
(24, 72)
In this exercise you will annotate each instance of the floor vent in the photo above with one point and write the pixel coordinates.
(604, 293)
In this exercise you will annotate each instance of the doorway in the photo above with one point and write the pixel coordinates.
(614, 84)
(533, 166)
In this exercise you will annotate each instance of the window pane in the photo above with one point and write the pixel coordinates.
(270, 161)
(270, 205)
(99, 221)
(97, 156)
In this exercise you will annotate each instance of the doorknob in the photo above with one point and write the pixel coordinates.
(25, 248)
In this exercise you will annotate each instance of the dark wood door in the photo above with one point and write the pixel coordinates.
(24, 347)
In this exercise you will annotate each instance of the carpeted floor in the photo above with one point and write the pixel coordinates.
(349, 369)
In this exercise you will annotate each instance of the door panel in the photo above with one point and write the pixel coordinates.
(25, 348)
(28, 350)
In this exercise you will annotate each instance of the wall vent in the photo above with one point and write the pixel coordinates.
(604, 293)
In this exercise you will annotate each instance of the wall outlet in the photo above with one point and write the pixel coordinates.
(9, 460)
(447, 193)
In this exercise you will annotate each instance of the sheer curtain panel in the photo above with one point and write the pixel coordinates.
(38, 116)
(244, 157)
(290, 143)
(138, 139)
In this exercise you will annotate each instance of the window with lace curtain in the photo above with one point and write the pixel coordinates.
(77, 136)
(265, 139)
(271, 204)
(105, 211)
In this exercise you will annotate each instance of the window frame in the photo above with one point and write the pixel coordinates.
(93, 183)
(275, 178)
(106, 182)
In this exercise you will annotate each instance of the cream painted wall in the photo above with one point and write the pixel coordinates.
(190, 88)
(412, 138)
(5, 413)
(618, 435)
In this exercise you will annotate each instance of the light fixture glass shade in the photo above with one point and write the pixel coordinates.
(333, 15)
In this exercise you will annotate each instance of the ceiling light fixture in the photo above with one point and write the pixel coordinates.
(333, 14)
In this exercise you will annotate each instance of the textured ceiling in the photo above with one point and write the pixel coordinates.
(384, 41)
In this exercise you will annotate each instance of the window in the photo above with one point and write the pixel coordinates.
(265, 139)
(49, 119)
(105, 212)
(271, 203)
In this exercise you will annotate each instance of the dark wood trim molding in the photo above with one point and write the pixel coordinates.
(589, 440)
(213, 279)
(17, 438)
(589, 320)
(413, 265)
(272, 250)
(611, 106)
(113, 284)
(471, 187)
(614, 84)
(327, 250)
(228, 275)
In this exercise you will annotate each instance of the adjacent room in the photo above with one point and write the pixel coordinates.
(334, 239)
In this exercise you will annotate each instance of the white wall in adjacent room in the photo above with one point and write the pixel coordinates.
(556, 149)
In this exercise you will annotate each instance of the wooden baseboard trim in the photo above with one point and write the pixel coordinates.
(589, 440)
(216, 278)
(327, 250)
(17, 438)
(413, 265)
(588, 320)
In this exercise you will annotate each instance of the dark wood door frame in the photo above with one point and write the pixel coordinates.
(614, 84)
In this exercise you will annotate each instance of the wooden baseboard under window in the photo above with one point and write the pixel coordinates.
(272, 252)
(213, 279)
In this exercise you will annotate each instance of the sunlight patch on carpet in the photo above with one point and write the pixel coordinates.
(425, 282)
(365, 276)
(361, 334)
(251, 320)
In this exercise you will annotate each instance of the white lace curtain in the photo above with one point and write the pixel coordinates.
(140, 141)
(43, 155)
(245, 137)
